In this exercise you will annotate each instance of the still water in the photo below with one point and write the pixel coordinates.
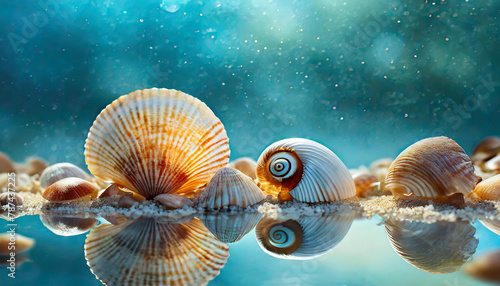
(251, 249)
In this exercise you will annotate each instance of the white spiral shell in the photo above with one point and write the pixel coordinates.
(303, 170)
(156, 141)
(302, 238)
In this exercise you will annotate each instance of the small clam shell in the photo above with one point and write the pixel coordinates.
(230, 187)
(304, 238)
(230, 228)
(60, 171)
(364, 183)
(430, 168)
(173, 201)
(11, 198)
(441, 247)
(146, 252)
(6, 164)
(156, 141)
(34, 166)
(485, 150)
(485, 267)
(303, 170)
(22, 243)
(70, 189)
(126, 202)
(488, 189)
(246, 165)
(65, 224)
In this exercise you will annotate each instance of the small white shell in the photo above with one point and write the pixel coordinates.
(230, 228)
(156, 141)
(441, 247)
(303, 170)
(431, 168)
(61, 171)
(147, 252)
(230, 187)
(304, 238)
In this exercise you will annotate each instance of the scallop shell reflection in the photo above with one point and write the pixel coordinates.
(303, 170)
(302, 238)
(441, 247)
(231, 227)
(149, 252)
(156, 141)
(431, 168)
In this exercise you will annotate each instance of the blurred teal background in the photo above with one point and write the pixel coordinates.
(365, 78)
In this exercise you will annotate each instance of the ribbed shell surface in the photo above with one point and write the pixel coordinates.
(69, 189)
(432, 167)
(156, 141)
(325, 178)
(441, 247)
(230, 228)
(60, 171)
(146, 252)
(320, 235)
(230, 187)
(489, 189)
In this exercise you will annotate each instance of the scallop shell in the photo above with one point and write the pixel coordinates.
(147, 252)
(488, 189)
(156, 141)
(70, 189)
(230, 228)
(304, 238)
(230, 187)
(430, 168)
(492, 225)
(22, 243)
(61, 171)
(66, 224)
(485, 267)
(485, 150)
(246, 165)
(303, 170)
(441, 247)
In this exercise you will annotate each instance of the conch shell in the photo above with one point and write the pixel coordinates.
(431, 168)
(156, 141)
(149, 252)
(303, 170)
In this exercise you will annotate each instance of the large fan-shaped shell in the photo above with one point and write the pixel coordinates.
(441, 247)
(230, 187)
(230, 228)
(430, 168)
(156, 141)
(304, 238)
(147, 252)
(316, 174)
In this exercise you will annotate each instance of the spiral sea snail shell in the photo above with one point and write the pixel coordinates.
(156, 141)
(432, 168)
(303, 170)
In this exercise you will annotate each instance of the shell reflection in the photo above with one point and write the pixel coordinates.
(302, 238)
(441, 247)
(149, 252)
(230, 228)
(66, 224)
